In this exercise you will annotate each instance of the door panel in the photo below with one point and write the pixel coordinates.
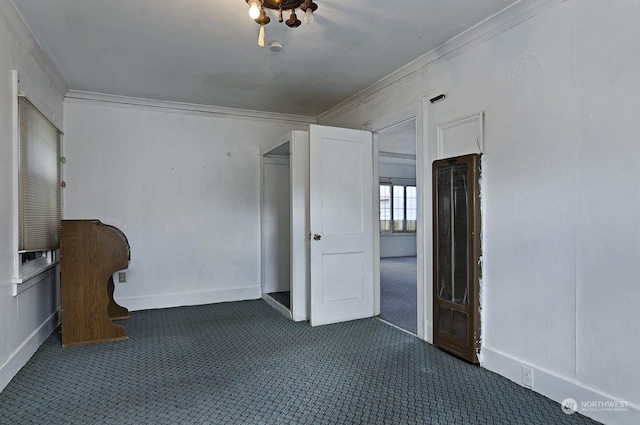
(342, 186)
(341, 220)
(299, 155)
(456, 230)
(343, 277)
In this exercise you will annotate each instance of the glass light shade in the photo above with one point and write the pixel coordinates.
(254, 10)
(308, 16)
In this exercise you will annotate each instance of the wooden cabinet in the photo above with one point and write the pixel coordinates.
(90, 252)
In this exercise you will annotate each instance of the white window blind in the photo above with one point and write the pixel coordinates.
(38, 181)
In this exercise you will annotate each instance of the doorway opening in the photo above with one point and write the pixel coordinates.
(317, 239)
(276, 225)
(397, 145)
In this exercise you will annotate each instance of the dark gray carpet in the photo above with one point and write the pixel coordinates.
(398, 297)
(245, 363)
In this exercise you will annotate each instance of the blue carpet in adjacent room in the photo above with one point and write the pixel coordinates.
(398, 292)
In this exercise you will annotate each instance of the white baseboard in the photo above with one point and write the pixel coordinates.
(277, 306)
(29, 346)
(213, 296)
(559, 388)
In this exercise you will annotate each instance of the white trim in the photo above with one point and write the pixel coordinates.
(397, 327)
(277, 306)
(165, 105)
(558, 388)
(406, 156)
(213, 296)
(276, 160)
(414, 110)
(376, 225)
(477, 118)
(15, 134)
(39, 101)
(483, 31)
(425, 235)
(32, 276)
(25, 351)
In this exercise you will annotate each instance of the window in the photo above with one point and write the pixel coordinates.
(385, 208)
(398, 208)
(38, 185)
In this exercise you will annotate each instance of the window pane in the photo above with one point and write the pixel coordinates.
(398, 208)
(385, 208)
(412, 209)
(38, 181)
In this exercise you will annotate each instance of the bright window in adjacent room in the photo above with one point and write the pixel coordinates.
(411, 202)
(398, 208)
(385, 208)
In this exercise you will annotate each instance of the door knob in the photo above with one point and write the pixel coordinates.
(317, 237)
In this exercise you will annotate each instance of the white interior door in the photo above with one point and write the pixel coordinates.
(299, 155)
(341, 223)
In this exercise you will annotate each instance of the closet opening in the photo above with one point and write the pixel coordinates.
(317, 225)
(276, 225)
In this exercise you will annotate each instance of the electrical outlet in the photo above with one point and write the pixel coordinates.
(122, 278)
(527, 377)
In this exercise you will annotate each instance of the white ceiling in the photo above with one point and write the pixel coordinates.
(205, 51)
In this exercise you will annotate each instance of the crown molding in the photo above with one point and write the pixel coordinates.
(14, 22)
(396, 155)
(193, 108)
(483, 31)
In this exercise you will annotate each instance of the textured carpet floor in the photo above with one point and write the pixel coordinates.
(245, 363)
(398, 297)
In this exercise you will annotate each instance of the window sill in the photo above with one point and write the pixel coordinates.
(31, 274)
(385, 235)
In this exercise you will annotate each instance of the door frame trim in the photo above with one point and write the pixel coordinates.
(414, 110)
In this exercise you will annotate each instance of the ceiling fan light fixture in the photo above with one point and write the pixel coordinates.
(308, 17)
(263, 19)
(257, 12)
(293, 21)
(254, 9)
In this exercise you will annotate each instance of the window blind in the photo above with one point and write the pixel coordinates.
(38, 181)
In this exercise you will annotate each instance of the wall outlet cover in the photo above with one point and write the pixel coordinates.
(527, 377)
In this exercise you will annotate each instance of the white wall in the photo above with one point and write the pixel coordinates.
(560, 190)
(182, 185)
(390, 171)
(27, 319)
(560, 186)
(398, 245)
